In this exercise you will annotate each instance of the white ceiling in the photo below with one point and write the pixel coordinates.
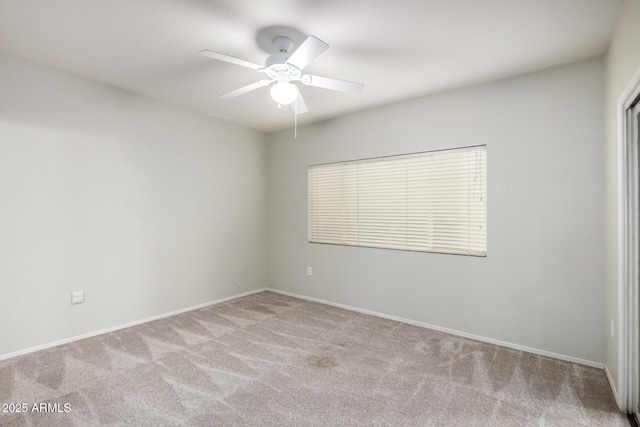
(398, 49)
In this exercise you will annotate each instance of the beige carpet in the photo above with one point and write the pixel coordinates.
(273, 360)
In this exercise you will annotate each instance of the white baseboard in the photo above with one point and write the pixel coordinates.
(123, 326)
(346, 307)
(447, 330)
(613, 387)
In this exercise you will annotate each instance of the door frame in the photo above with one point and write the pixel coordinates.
(628, 248)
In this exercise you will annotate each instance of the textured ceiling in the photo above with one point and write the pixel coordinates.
(398, 49)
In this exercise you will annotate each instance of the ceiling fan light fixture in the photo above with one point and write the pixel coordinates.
(284, 93)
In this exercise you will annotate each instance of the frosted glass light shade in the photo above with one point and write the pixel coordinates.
(284, 93)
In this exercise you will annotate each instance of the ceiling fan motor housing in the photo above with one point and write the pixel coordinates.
(279, 58)
(276, 65)
(277, 68)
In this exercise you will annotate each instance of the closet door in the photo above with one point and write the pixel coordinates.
(635, 294)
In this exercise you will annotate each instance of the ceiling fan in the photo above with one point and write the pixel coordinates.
(284, 68)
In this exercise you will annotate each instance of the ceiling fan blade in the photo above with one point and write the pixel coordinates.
(247, 88)
(333, 84)
(299, 105)
(309, 50)
(231, 59)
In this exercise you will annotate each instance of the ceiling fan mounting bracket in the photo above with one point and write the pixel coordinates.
(283, 44)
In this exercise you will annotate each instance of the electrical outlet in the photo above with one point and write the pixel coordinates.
(613, 329)
(309, 271)
(77, 297)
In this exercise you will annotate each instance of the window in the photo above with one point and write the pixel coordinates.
(431, 202)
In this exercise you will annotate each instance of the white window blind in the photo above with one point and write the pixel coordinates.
(430, 202)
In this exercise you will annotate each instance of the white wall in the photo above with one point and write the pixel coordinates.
(148, 208)
(621, 63)
(542, 283)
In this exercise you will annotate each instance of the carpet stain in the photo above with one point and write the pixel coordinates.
(322, 362)
(462, 369)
